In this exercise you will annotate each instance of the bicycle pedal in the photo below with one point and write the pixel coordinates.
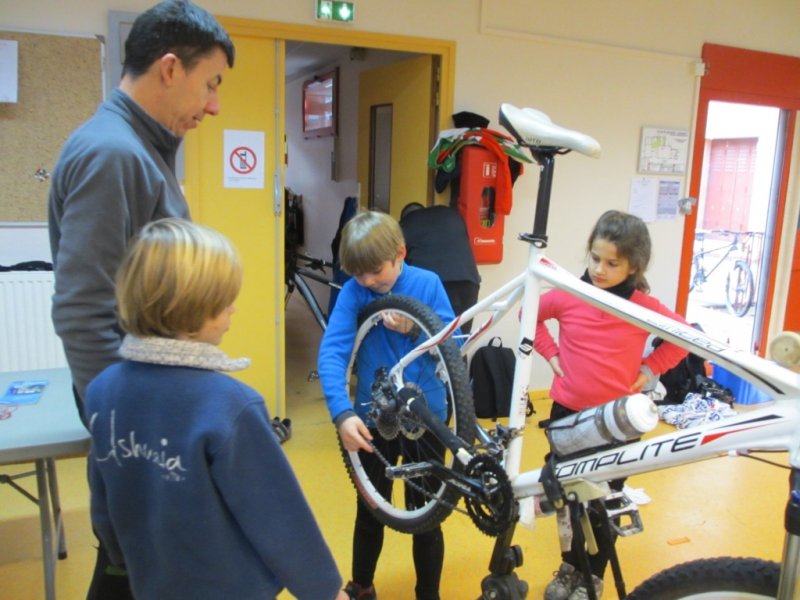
(627, 509)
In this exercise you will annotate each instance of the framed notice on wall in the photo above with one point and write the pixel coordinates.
(663, 150)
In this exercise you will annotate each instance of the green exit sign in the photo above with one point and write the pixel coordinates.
(334, 10)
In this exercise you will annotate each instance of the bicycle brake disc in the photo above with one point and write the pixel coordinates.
(494, 511)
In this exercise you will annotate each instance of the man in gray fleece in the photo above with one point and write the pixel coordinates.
(116, 173)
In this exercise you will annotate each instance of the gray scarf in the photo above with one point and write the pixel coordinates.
(180, 353)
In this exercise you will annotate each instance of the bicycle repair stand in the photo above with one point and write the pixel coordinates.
(502, 583)
(583, 530)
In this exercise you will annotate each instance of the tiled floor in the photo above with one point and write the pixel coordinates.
(728, 506)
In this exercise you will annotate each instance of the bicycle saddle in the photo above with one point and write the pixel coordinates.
(534, 129)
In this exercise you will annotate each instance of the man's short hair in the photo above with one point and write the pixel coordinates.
(177, 26)
(175, 277)
(368, 240)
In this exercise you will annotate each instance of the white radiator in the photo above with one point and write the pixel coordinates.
(27, 337)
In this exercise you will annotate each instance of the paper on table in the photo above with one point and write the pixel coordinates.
(24, 392)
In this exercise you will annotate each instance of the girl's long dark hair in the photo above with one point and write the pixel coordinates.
(632, 239)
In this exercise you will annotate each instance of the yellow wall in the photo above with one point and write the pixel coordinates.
(249, 101)
(406, 86)
(246, 215)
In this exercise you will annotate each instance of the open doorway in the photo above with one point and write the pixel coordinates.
(323, 171)
(731, 233)
(746, 114)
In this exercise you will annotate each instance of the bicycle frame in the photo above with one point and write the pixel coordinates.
(702, 273)
(297, 279)
(772, 428)
(780, 383)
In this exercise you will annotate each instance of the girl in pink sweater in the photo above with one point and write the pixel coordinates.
(599, 357)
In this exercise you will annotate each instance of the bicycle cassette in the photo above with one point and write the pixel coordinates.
(494, 510)
(411, 426)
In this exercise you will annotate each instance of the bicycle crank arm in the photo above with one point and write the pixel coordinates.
(467, 486)
(409, 470)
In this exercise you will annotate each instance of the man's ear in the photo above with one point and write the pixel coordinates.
(167, 65)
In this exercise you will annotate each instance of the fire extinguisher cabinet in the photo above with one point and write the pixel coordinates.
(476, 202)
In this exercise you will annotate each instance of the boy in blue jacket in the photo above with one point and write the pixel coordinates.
(372, 250)
(190, 489)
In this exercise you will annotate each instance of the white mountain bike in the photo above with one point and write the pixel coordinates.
(459, 460)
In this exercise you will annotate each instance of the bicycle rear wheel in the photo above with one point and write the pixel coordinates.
(419, 503)
(723, 578)
(739, 289)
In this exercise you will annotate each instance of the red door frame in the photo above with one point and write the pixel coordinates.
(745, 77)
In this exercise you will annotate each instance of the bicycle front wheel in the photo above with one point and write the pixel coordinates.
(419, 500)
(739, 289)
(718, 578)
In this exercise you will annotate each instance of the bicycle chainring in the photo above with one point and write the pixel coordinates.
(495, 510)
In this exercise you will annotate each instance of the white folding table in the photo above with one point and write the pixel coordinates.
(40, 433)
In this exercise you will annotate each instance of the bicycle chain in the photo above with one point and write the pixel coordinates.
(418, 488)
(502, 512)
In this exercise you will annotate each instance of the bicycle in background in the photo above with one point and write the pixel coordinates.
(740, 288)
(300, 268)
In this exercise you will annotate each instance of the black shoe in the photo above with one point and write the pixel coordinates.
(356, 592)
(282, 429)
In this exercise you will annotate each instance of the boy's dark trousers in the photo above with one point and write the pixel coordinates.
(427, 548)
(107, 583)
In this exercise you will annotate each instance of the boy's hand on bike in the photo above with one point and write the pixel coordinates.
(355, 435)
(395, 322)
(556, 366)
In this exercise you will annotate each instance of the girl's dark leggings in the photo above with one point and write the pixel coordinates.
(599, 561)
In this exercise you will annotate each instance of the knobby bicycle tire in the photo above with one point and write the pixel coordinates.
(723, 578)
(739, 289)
(426, 501)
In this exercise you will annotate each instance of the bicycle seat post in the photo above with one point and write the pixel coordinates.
(546, 161)
(534, 130)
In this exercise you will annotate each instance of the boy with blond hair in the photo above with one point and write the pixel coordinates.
(372, 250)
(190, 489)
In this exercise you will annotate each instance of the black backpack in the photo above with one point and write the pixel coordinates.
(689, 376)
(682, 378)
(491, 373)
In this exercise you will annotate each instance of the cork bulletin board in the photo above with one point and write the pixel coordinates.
(60, 86)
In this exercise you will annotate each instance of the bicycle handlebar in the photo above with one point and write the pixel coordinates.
(317, 264)
(733, 232)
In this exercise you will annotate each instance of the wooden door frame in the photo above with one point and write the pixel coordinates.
(442, 50)
(445, 50)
